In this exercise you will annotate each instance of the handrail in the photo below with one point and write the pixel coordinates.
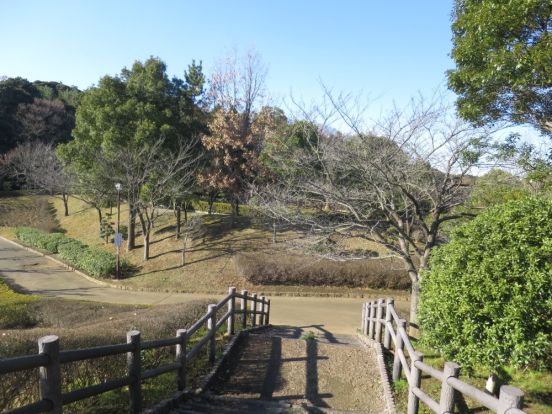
(253, 309)
(380, 315)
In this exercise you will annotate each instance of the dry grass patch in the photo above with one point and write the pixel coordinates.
(31, 211)
(289, 269)
(86, 324)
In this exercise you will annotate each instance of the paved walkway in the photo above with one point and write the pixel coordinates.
(38, 275)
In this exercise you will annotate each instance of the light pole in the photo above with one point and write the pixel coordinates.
(118, 237)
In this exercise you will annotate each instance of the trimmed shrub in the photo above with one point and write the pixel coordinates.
(40, 239)
(97, 262)
(71, 251)
(92, 260)
(487, 299)
(286, 269)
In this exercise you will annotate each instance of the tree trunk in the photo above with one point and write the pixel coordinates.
(131, 237)
(273, 231)
(414, 300)
(178, 209)
(65, 198)
(184, 245)
(146, 245)
(185, 212)
(234, 212)
(99, 210)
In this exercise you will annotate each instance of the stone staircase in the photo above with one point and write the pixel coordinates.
(279, 371)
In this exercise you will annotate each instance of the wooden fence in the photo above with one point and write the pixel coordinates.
(253, 309)
(381, 323)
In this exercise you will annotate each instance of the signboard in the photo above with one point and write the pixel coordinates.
(118, 239)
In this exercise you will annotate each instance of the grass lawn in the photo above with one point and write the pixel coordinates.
(210, 262)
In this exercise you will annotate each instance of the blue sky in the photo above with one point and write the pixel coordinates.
(389, 50)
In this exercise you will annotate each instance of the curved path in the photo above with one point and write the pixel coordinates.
(36, 274)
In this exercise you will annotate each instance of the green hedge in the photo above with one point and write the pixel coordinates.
(91, 260)
(487, 299)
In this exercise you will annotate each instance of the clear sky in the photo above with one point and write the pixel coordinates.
(390, 50)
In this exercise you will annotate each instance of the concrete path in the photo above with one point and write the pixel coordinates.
(38, 275)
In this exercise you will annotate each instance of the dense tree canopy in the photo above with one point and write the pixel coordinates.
(140, 115)
(39, 110)
(503, 56)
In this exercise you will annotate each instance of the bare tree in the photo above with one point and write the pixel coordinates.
(39, 166)
(45, 120)
(236, 88)
(153, 176)
(191, 230)
(394, 185)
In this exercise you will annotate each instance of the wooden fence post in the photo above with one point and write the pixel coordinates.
(254, 311)
(371, 313)
(182, 334)
(134, 372)
(379, 316)
(398, 345)
(244, 309)
(50, 375)
(267, 317)
(211, 327)
(446, 403)
(509, 397)
(388, 318)
(232, 310)
(262, 310)
(415, 382)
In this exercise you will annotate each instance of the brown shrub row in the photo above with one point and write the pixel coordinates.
(288, 269)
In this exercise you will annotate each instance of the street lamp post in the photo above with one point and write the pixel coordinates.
(118, 237)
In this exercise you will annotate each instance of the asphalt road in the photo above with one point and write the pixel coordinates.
(39, 275)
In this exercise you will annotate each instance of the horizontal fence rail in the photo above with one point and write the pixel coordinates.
(381, 323)
(253, 309)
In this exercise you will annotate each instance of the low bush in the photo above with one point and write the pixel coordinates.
(92, 260)
(487, 299)
(280, 269)
(37, 238)
(97, 262)
(71, 251)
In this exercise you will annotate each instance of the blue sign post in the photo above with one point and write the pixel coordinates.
(118, 240)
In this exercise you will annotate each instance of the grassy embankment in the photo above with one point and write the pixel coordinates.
(24, 318)
(243, 256)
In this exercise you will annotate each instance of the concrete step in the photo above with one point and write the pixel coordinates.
(228, 405)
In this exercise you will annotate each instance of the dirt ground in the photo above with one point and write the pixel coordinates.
(336, 373)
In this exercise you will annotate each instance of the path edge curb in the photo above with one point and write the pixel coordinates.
(387, 392)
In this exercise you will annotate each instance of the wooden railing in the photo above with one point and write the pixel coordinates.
(253, 309)
(381, 323)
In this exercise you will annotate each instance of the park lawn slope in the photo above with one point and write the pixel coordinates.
(81, 324)
(215, 261)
